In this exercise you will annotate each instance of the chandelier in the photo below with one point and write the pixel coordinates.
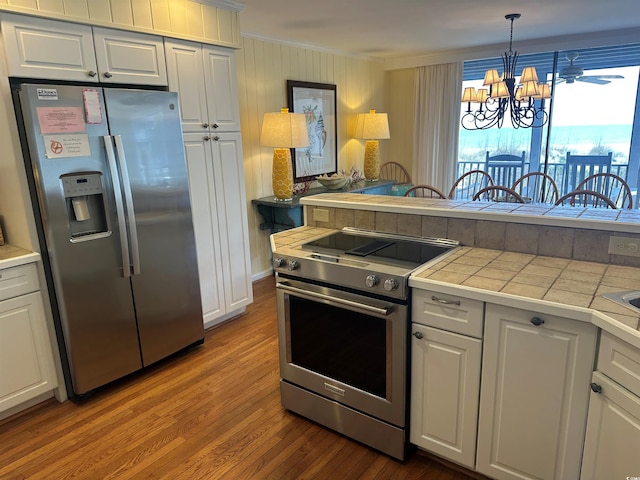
(506, 97)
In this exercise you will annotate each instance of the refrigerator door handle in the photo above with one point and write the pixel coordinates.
(128, 198)
(115, 179)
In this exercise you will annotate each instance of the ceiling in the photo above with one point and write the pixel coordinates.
(403, 28)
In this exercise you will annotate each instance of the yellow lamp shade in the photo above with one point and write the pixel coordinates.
(529, 74)
(491, 77)
(469, 95)
(500, 90)
(482, 95)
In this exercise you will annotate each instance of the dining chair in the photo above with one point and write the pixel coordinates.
(579, 167)
(538, 186)
(610, 185)
(424, 191)
(469, 183)
(586, 198)
(504, 168)
(498, 193)
(394, 171)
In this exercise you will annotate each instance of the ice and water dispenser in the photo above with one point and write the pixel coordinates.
(84, 199)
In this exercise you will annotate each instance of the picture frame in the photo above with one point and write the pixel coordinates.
(318, 102)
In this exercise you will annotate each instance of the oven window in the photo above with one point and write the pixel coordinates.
(347, 346)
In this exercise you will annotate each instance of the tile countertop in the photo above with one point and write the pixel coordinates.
(622, 220)
(11, 256)
(555, 286)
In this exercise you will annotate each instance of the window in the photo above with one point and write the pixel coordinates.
(595, 110)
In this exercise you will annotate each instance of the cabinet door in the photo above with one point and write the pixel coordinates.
(128, 57)
(222, 89)
(185, 70)
(26, 361)
(205, 224)
(612, 443)
(39, 48)
(534, 395)
(233, 227)
(445, 384)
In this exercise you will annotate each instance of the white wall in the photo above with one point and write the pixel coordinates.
(263, 69)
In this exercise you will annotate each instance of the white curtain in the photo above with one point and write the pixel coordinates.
(437, 120)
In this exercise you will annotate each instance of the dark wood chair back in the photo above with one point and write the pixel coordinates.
(498, 193)
(394, 171)
(424, 191)
(610, 185)
(538, 186)
(586, 198)
(469, 183)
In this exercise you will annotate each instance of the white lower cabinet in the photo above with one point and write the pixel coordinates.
(216, 184)
(26, 360)
(446, 351)
(612, 443)
(445, 383)
(534, 394)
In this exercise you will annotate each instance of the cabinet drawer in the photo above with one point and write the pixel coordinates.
(448, 312)
(620, 361)
(19, 280)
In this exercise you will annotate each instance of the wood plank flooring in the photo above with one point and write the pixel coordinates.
(209, 413)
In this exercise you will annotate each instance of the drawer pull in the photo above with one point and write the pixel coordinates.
(444, 301)
(537, 321)
(596, 388)
(418, 335)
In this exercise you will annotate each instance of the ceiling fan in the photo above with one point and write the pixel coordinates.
(572, 73)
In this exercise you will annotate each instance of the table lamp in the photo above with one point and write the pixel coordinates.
(371, 127)
(283, 131)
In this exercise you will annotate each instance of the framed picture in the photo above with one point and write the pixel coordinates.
(318, 103)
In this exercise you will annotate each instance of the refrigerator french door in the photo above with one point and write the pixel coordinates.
(110, 178)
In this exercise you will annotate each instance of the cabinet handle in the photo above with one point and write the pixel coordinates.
(418, 335)
(92, 73)
(537, 321)
(215, 125)
(205, 125)
(596, 388)
(107, 75)
(444, 301)
(216, 138)
(206, 138)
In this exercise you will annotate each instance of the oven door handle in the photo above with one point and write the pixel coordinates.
(329, 299)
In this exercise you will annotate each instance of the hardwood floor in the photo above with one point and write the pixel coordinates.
(210, 413)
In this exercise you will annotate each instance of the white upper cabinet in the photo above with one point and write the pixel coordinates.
(50, 49)
(205, 78)
(127, 57)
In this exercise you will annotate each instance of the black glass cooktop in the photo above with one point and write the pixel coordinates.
(383, 249)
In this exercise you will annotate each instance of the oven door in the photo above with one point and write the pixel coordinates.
(345, 347)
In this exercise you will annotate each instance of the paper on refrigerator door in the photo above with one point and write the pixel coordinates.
(63, 146)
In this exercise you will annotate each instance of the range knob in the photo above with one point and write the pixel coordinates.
(278, 262)
(371, 281)
(292, 264)
(390, 284)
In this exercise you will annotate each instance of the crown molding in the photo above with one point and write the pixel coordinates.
(226, 4)
(549, 44)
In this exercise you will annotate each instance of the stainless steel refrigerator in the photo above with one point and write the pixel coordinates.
(109, 183)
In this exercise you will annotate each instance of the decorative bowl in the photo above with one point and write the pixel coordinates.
(333, 183)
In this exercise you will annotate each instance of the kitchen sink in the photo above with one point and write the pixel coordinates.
(628, 298)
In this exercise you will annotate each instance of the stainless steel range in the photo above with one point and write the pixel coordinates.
(343, 327)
